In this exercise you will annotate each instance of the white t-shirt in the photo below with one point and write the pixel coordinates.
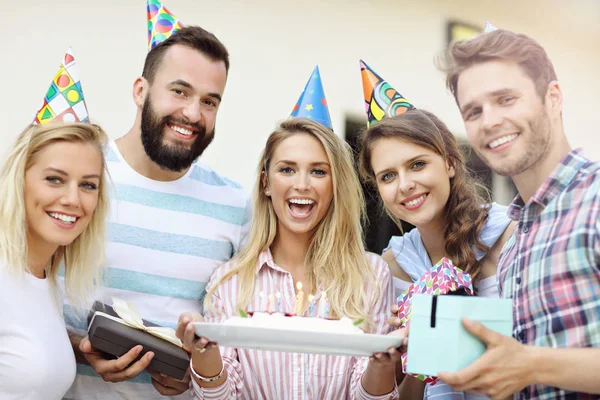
(36, 357)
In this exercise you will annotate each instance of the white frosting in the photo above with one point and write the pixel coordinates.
(280, 321)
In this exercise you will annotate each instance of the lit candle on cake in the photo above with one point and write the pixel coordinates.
(278, 296)
(271, 303)
(311, 308)
(261, 301)
(299, 299)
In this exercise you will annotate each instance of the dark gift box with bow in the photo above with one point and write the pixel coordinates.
(112, 331)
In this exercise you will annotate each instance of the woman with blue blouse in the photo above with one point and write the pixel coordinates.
(421, 176)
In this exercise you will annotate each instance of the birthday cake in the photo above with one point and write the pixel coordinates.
(281, 321)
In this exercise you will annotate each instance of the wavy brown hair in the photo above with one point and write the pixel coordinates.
(466, 210)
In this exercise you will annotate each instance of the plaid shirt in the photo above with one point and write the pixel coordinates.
(550, 266)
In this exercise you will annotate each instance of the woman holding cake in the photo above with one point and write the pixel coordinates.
(53, 207)
(415, 163)
(306, 228)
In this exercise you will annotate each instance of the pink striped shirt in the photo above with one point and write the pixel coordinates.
(269, 375)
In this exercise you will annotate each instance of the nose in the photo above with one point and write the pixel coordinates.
(490, 119)
(70, 197)
(405, 183)
(302, 182)
(192, 112)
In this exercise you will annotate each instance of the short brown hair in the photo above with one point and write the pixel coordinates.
(498, 45)
(194, 37)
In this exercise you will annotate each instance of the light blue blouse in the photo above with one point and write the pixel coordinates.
(411, 255)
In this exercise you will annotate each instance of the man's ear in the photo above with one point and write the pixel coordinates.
(554, 99)
(140, 89)
(265, 182)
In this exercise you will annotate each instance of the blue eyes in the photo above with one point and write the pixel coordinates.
(56, 181)
(415, 166)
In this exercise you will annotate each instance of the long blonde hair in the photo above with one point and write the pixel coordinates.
(84, 257)
(336, 258)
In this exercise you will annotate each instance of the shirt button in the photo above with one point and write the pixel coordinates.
(525, 229)
(518, 280)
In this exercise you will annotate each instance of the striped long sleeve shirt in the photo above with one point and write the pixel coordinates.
(257, 374)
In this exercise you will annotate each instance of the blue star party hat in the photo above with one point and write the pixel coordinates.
(312, 103)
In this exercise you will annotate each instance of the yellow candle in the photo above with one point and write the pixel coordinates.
(271, 305)
(299, 299)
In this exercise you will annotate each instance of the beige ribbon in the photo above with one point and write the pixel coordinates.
(130, 316)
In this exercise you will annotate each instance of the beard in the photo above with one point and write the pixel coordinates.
(173, 157)
(536, 141)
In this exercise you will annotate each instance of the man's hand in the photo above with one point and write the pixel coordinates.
(118, 370)
(505, 367)
(168, 386)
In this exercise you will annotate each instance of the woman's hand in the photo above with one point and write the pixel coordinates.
(187, 334)
(380, 375)
(394, 320)
(393, 354)
(206, 358)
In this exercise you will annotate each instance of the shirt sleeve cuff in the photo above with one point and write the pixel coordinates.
(363, 395)
(216, 393)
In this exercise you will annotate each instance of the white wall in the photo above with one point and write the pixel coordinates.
(274, 46)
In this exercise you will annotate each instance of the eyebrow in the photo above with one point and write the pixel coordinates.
(495, 93)
(295, 163)
(181, 82)
(61, 172)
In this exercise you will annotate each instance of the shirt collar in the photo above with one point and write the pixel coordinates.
(557, 181)
(265, 259)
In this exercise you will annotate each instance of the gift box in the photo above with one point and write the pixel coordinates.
(442, 278)
(438, 340)
(109, 333)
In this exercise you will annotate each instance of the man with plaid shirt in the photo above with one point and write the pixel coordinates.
(506, 89)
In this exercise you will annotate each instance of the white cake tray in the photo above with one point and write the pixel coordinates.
(295, 341)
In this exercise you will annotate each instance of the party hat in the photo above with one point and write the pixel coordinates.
(161, 23)
(64, 100)
(489, 28)
(381, 100)
(312, 103)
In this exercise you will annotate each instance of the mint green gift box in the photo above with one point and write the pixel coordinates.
(438, 341)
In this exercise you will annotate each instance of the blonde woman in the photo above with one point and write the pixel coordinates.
(306, 228)
(53, 207)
